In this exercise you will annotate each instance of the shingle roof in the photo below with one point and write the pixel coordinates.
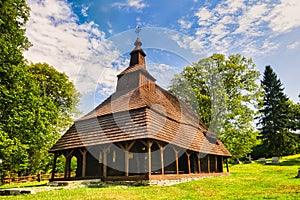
(140, 114)
(145, 112)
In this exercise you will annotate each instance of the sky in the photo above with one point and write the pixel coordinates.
(91, 40)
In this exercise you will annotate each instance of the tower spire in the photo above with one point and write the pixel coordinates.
(137, 31)
(136, 74)
(138, 42)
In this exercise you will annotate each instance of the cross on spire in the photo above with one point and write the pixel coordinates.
(138, 30)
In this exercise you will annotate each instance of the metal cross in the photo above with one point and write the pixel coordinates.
(138, 30)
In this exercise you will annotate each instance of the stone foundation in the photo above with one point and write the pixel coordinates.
(173, 179)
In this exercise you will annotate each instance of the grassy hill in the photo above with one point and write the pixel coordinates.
(247, 181)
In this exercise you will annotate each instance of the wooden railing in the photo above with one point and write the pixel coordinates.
(14, 178)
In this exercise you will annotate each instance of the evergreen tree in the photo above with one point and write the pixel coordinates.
(276, 118)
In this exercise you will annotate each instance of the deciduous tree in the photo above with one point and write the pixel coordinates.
(36, 101)
(223, 91)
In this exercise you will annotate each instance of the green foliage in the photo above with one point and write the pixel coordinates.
(13, 154)
(36, 102)
(60, 164)
(14, 85)
(223, 91)
(295, 123)
(278, 118)
(36, 117)
(57, 92)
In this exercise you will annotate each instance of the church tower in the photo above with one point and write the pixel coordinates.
(136, 75)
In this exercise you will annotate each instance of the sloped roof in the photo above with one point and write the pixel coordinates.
(144, 112)
(141, 114)
(140, 68)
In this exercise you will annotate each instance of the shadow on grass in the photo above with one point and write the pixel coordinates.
(39, 185)
(97, 186)
(291, 162)
(106, 185)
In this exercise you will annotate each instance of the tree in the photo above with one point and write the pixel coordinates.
(13, 81)
(52, 113)
(223, 91)
(277, 118)
(36, 101)
(296, 114)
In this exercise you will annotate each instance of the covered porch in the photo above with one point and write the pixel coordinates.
(140, 160)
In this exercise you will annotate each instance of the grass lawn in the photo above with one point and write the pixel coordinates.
(247, 181)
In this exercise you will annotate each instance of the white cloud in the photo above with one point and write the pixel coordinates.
(293, 45)
(80, 50)
(162, 72)
(84, 10)
(285, 16)
(235, 26)
(251, 21)
(185, 24)
(137, 5)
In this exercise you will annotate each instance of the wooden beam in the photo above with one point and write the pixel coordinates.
(69, 162)
(227, 165)
(176, 159)
(67, 156)
(126, 164)
(54, 166)
(149, 144)
(126, 149)
(66, 166)
(161, 148)
(208, 164)
(83, 153)
(199, 163)
(105, 150)
(216, 163)
(189, 161)
(222, 163)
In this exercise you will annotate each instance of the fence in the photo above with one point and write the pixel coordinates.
(14, 178)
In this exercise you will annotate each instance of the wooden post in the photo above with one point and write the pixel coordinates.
(208, 164)
(216, 163)
(66, 165)
(161, 148)
(199, 163)
(54, 166)
(176, 160)
(189, 161)
(105, 150)
(126, 164)
(222, 163)
(83, 153)
(227, 165)
(149, 144)
(126, 149)
(69, 156)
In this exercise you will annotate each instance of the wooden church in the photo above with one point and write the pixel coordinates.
(141, 132)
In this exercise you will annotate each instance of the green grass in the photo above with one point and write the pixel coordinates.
(247, 181)
(29, 184)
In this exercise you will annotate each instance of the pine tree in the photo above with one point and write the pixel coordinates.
(275, 123)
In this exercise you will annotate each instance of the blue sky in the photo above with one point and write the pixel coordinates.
(90, 40)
